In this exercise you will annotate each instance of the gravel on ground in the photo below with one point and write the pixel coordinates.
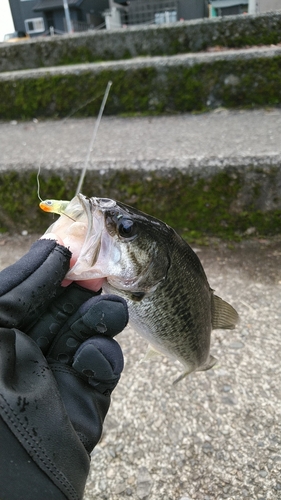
(217, 434)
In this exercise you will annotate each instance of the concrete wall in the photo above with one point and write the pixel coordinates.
(149, 85)
(261, 6)
(79, 67)
(177, 38)
(242, 192)
(268, 5)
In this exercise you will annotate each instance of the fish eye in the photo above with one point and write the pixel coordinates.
(126, 228)
(48, 202)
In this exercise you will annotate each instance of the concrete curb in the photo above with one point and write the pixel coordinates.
(225, 197)
(150, 85)
(186, 60)
(182, 37)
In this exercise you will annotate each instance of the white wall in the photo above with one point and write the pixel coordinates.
(259, 6)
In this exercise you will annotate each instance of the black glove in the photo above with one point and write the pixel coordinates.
(53, 407)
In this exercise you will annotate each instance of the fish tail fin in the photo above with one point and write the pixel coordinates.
(223, 314)
(208, 365)
(183, 375)
(189, 370)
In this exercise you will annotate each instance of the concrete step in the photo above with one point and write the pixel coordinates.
(216, 173)
(147, 85)
(163, 40)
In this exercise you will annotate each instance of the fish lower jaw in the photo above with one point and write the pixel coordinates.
(95, 284)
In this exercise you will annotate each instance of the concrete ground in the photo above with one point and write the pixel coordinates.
(143, 141)
(217, 434)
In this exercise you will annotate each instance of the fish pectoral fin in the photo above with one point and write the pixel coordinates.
(151, 353)
(223, 314)
(208, 365)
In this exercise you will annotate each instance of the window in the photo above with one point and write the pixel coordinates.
(35, 25)
(168, 16)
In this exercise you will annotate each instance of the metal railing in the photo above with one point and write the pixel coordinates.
(150, 12)
(80, 26)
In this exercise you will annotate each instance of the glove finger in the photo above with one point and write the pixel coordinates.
(100, 361)
(28, 286)
(51, 323)
(106, 314)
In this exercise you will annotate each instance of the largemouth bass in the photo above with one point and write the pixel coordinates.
(137, 256)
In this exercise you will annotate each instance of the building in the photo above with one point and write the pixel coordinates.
(38, 17)
(163, 11)
(228, 7)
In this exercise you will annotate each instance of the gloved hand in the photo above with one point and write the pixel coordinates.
(56, 377)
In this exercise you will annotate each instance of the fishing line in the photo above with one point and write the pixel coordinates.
(37, 177)
(38, 184)
(80, 107)
(38, 188)
(82, 176)
(80, 183)
(64, 120)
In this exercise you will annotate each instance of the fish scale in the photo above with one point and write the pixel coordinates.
(176, 318)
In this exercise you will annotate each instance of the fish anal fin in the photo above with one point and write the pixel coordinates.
(151, 353)
(223, 314)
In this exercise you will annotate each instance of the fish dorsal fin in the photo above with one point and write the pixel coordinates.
(223, 314)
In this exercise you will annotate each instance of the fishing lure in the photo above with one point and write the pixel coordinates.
(54, 206)
(51, 206)
(73, 211)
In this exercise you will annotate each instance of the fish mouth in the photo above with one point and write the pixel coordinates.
(100, 256)
(83, 208)
(81, 228)
(96, 239)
